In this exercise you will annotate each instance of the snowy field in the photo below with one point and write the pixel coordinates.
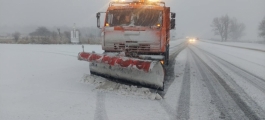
(47, 82)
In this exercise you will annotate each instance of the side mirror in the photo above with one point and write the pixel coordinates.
(173, 15)
(173, 23)
(98, 20)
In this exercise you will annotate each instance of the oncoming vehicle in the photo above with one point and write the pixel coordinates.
(192, 39)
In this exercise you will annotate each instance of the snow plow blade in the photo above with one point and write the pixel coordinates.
(146, 73)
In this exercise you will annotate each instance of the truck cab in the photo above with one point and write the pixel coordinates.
(138, 28)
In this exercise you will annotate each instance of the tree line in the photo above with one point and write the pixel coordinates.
(43, 35)
(227, 27)
(224, 26)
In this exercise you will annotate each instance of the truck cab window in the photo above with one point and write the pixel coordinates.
(134, 17)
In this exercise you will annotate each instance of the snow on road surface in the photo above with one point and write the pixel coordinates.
(250, 60)
(254, 46)
(207, 81)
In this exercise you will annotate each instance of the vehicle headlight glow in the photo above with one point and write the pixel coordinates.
(118, 0)
(153, 0)
(192, 40)
(136, 0)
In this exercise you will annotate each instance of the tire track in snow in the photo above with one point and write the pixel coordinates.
(216, 99)
(100, 113)
(169, 78)
(253, 79)
(183, 107)
(235, 46)
(252, 107)
(226, 104)
(240, 57)
(170, 72)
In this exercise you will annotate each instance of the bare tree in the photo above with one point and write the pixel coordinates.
(16, 36)
(262, 28)
(42, 34)
(220, 26)
(41, 31)
(236, 30)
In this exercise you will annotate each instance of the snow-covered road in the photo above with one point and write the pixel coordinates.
(204, 81)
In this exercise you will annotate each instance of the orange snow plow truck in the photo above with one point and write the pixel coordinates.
(135, 38)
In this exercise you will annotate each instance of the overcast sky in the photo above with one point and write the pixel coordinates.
(193, 17)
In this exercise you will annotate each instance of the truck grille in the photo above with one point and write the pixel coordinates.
(140, 47)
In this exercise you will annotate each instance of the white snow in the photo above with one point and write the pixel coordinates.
(249, 60)
(240, 44)
(47, 82)
(173, 93)
(42, 82)
(174, 44)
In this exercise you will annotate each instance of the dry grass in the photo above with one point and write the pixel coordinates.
(57, 40)
(9, 41)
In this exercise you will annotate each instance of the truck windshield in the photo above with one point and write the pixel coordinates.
(134, 17)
